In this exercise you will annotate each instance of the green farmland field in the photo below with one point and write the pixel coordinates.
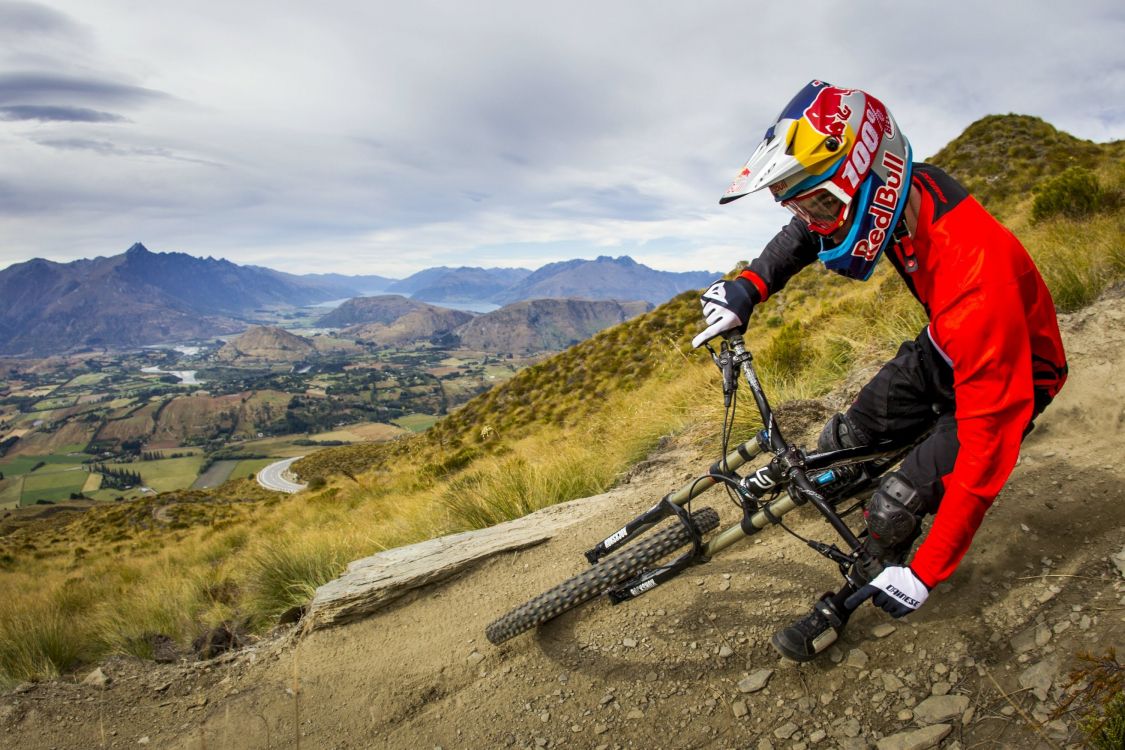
(86, 379)
(10, 491)
(58, 402)
(218, 473)
(416, 422)
(52, 483)
(250, 467)
(22, 464)
(168, 474)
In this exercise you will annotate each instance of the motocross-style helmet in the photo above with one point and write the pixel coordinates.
(834, 154)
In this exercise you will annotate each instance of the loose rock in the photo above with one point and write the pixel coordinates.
(883, 630)
(98, 679)
(918, 739)
(756, 681)
(857, 658)
(785, 731)
(939, 708)
(891, 683)
(1119, 561)
(1024, 641)
(1038, 677)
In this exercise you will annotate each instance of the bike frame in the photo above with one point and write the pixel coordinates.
(799, 472)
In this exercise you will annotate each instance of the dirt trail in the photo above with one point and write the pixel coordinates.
(664, 671)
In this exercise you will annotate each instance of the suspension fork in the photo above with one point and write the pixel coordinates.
(748, 451)
(769, 439)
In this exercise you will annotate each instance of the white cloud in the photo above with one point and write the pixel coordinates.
(379, 137)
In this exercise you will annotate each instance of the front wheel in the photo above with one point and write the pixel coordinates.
(599, 578)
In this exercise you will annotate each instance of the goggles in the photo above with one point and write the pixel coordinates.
(820, 208)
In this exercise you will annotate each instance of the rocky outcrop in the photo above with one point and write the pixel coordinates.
(372, 583)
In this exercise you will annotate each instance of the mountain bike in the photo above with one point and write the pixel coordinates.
(627, 563)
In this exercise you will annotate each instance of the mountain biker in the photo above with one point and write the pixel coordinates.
(988, 362)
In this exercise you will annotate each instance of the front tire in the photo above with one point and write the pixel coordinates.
(598, 578)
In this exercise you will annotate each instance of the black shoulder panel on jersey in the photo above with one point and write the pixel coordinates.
(946, 191)
(791, 249)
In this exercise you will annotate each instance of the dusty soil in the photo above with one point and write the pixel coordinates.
(664, 671)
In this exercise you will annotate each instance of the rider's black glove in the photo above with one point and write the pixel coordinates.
(726, 305)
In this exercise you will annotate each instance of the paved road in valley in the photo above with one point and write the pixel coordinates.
(273, 477)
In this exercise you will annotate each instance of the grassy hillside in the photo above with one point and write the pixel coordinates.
(1002, 159)
(121, 577)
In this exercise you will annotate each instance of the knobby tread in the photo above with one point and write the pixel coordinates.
(597, 579)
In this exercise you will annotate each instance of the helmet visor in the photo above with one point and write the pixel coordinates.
(821, 209)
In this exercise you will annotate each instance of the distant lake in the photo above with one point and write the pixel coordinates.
(184, 349)
(330, 303)
(187, 377)
(469, 306)
(477, 307)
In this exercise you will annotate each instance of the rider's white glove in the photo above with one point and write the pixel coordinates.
(897, 590)
(726, 306)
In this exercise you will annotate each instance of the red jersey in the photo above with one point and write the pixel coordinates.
(993, 321)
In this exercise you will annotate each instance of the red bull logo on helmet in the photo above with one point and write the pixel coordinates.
(828, 114)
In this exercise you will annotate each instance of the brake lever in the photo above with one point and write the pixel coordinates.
(725, 362)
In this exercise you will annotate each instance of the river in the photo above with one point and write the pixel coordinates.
(187, 377)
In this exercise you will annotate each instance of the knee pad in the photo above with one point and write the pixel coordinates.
(894, 512)
(839, 433)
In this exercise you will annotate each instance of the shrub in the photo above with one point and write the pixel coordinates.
(513, 487)
(38, 643)
(1097, 689)
(1074, 193)
(787, 353)
(284, 573)
(1107, 732)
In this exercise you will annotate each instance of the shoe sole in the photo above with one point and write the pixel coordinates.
(819, 644)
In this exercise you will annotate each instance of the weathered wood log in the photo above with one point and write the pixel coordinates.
(374, 582)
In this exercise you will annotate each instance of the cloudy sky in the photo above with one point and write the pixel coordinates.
(369, 136)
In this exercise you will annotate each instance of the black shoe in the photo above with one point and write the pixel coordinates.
(811, 634)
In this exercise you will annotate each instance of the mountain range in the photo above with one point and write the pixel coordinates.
(140, 297)
(524, 327)
(603, 278)
(545, 324)
(465, 284)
